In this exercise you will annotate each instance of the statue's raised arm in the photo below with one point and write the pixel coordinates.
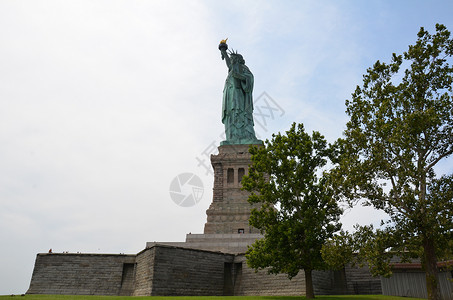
(237, 104)
(223, 47)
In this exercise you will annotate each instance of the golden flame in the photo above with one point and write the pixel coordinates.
(223, 41)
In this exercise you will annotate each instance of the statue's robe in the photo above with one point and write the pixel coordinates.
(237, 106)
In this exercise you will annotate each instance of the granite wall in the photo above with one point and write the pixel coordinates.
(144, 272)
(82, 274)
(188, 272)
(360, 281)
(175, 271)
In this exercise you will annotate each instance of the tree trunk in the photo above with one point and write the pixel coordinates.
(430, 259)
(431, 270)
(309, 293)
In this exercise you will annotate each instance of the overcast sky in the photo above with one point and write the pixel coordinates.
(103, 103)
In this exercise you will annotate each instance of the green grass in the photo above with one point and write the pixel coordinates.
(67, 297)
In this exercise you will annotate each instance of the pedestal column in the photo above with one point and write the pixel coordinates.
(229, 211)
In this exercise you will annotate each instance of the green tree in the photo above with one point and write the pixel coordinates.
(365, 246)
(400, 129)
(297, 209)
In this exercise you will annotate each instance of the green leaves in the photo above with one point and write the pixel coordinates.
(400, 128)
(339, 250)
(399, 131)
(298, 209)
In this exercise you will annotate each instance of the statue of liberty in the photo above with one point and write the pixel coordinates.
(237, 104)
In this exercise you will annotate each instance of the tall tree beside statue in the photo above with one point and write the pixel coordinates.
(298, 209)
(400, 129)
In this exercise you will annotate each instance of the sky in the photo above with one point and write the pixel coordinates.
(104, 103)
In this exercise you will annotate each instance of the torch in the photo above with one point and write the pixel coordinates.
(223, 46)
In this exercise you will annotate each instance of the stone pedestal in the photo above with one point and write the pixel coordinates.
(229, 211)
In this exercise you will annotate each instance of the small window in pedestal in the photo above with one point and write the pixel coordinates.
(241, 173)
(241, 231)
(230, 175)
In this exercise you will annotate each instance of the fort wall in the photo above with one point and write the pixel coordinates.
(170, 270)
(80, 274)
(189, 272)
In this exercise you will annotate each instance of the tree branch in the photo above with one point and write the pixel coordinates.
(431, 165)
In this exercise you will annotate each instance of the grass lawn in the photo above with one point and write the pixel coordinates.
(66, 297)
